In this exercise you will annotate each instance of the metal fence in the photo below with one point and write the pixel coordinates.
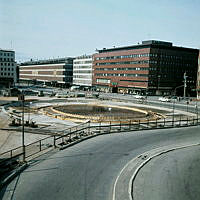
(87, 129)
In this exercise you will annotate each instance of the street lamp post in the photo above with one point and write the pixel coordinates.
(187, 105)
(29, 111)
(173, 112)
(197, 112)
(21, 98)
(185, 85)
(159, 84)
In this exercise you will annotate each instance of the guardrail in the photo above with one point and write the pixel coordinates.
(173, 104)
(84, 130)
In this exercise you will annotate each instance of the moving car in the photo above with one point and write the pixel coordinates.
(139, 97)
(164, 99)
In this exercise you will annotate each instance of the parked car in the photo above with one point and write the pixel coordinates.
(61, 95)
(164, 99)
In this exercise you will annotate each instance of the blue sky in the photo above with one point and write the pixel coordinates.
(42, 29)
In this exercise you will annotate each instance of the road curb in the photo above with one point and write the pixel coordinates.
(108, 133)
(80, 140)
(131, 182)
(14, 174)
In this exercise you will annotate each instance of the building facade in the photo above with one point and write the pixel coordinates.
(153, 67)
(8, 68)
(56, 72)
(198, 78)
(82, 71)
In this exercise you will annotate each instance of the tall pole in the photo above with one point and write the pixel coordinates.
(185, 85)
(23, 145)
(21, 98)
(173, 112)
(159, 84)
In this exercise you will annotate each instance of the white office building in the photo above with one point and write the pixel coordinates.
(82, 71)
(8, 68)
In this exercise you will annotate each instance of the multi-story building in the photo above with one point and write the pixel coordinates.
(82, 71)
(8, 72)
(198, 78)
(153, 67)
(58, 72)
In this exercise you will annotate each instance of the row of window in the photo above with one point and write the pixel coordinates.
(7, 59)
(135, 81)
(147, 62)
(124, 75)
(127, 56)
(6, 69)
(122, 68)
(7, 64)
(83, 71)
(188, 63)
(6, 54)
(125, 62)
(81, 76)
(101, 80)
(145, 55)
(83, 67)
(83, 62)
(88, 82)
(175, 57)
(6, 74)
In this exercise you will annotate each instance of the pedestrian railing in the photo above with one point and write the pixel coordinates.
(84, 130)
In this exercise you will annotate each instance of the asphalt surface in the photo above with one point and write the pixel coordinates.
(173, 175)
(88, 170)
(191, 106)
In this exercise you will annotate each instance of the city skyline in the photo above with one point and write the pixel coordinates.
(51, 29)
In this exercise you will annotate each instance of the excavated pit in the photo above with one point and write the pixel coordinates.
(101, 112)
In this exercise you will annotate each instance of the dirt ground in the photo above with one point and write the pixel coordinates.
(4, 135)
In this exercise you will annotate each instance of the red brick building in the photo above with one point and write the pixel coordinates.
(155, 67)
(51, 72)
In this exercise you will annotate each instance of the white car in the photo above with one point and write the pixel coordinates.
(61, 95)
(164, 99)
(138, 97)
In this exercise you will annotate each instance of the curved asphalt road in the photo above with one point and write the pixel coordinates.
(88, 170)
(173, 175)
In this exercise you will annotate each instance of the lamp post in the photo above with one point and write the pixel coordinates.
(159, 84)
(21, 98)
(29, 111)
(197, 112)
(187, 105)
(185, 85)
(173, 112)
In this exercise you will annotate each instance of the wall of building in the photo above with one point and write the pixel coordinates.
(82, 71)
(43, 72)
(8, 72)
(170, 66)
(155, 67)
(122, 69)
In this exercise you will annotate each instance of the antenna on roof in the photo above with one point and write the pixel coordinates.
(11, 46)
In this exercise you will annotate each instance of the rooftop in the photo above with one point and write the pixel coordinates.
(7, 50)
(83, 56)
(145, 44)
(47, 61)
